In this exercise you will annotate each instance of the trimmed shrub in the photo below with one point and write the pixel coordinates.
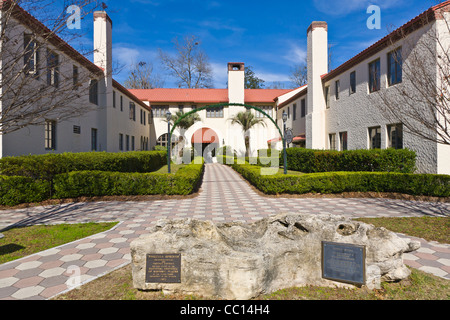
(15, 190)
(338, 182)
(48, 165)
(387, 160)
(102, 183)
(269, 153)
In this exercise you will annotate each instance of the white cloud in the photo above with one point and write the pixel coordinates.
(126, 56)
(296, 54)
(220, 74)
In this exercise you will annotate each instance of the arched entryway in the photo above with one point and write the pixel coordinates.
(206, 142)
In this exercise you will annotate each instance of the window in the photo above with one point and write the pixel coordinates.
(294, 111)
(353, 82)
(327, 97)
(120, 141)
(75, 77)
(162, 140)
(266, 109)
(337, 88)
(395, 136)
(94, 139)
(114, 99)
(375, 138)
(303, 107)
(93, 92)
(121, 103)
(395, 63)
(132, 111)
(181, 108)
(77, 129)
(127, 142)
(145, 118)
(343, 136)
(332, 141)
(52, 69)
(31, 55)
(160, 111)
(132, 143)
(141, 112)
(374, 76)
(50, 135)
(214, 112)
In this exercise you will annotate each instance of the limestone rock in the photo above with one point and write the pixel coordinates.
(242, 261)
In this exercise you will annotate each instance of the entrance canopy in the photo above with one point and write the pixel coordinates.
(205, 135)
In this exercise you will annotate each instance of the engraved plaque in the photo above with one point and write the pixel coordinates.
(344, 262)
(163, 268)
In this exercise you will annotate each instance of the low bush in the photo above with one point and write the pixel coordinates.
(102, 183)
(15, 190)
(387, 160)
(49, 165)
(338, 182)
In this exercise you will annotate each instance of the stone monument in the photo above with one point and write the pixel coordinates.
(241, 261)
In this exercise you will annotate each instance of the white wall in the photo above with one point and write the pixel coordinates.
(355, 113)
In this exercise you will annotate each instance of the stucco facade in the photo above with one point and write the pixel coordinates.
(336, 110)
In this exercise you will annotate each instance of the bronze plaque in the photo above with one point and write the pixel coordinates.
(344, 262)
(163, 268)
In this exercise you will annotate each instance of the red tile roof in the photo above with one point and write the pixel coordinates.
(198, 96)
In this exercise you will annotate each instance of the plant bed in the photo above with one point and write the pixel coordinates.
(100, 183)
(339, 182)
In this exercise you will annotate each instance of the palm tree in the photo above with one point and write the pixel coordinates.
(188, 121)
(184, 124)
(247, 120)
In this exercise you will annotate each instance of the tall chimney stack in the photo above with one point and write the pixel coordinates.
(317, 67)
(236, 82)
(103, 42)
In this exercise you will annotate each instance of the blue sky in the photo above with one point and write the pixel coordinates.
(270, 36)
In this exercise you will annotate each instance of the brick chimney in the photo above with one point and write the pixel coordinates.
(236, 82)
(317, 67)
(103, 43)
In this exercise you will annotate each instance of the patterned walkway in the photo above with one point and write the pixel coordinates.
(224, 197)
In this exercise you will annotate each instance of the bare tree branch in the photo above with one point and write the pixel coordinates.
(421, 102)
(41, 75)
(190, 65)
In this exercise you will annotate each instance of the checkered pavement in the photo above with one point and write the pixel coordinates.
(224, 197)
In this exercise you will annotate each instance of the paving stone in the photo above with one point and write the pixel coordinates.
(223, 197)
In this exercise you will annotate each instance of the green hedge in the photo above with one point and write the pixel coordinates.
(101, 183)
(15, 190)
(48, 165)
(338, 182)
(387, 160)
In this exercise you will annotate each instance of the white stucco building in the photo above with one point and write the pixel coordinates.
(336, 110)
(111, 118)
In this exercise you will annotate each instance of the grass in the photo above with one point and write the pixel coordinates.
(173, 168)
(118, 285)
(21, 242)
(428, 228)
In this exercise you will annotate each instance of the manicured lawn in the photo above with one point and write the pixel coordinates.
(173, 168)
(118, 285)
(21, 242)
(428, 228)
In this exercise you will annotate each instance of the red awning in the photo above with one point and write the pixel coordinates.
(299, 138)
(205, 135)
